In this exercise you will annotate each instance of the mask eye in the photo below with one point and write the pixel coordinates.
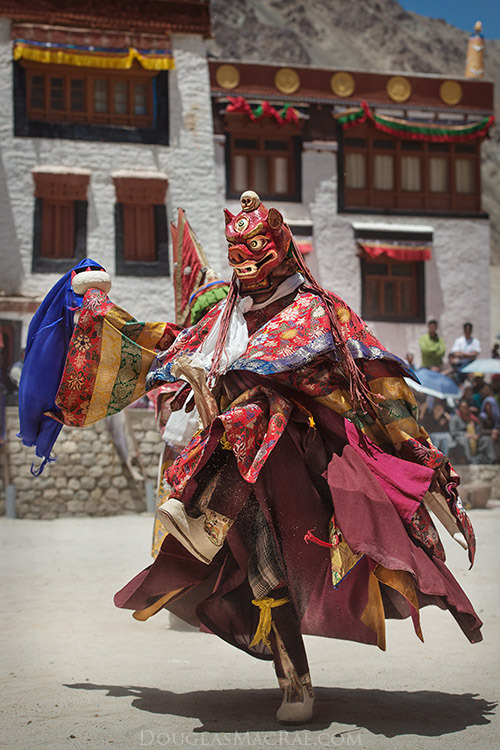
(257, 243)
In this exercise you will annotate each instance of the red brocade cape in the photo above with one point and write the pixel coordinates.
(338, 497)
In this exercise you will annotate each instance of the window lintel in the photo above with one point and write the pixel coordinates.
(140, 187)
(61, 183)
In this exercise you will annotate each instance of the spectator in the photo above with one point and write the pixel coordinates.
(432, 347)
(490, 410)
(410, 360)
(16, 370)
(465, 348)
(495, 353)
(467, 440)
(477, 385)
(495, 386)
(467, 393)
(436, 422)
(490, 416)
(422, 404)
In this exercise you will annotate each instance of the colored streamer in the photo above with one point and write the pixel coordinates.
(413, 131)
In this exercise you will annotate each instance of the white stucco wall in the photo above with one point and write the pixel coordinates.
(188, 162)
(456, 278)
(11, 268)
(495, 304)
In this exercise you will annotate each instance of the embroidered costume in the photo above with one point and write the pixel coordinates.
(302, 505)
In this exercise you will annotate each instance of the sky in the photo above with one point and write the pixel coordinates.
(461, 13)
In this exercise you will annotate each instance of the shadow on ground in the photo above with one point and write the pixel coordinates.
(389, 713)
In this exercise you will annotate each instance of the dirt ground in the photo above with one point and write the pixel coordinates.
(79, 673)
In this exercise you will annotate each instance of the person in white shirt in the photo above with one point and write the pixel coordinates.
(465, 349)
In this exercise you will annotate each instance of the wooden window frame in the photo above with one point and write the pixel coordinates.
(418, 290)
(58, 229)
(87, 124)
(136, 196)
(139, 233)
(239, 127)
(60, 219)
(89, 76)
(399, 200)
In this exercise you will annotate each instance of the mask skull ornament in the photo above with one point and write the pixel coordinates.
(258, 241)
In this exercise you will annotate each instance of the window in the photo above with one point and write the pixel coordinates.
(394, 174)
(383, 172)
(58, 93)
(355, 170)
(263, 156)
(411, 174)
(141, 225)
(90, 103)
(139, 236)
(464, 176)
(391, 289)
(58, 229)
(60, 221)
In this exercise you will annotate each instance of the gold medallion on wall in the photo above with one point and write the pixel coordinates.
(398, 88)
(287, 80)
(450, 92)
(227, 76)
(342, 84)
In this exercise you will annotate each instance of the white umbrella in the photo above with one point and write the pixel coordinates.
(484, 366)
(434, 384)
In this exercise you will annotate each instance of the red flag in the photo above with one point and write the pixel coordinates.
(190, 266)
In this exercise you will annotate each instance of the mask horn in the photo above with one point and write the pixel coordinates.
(274, 218)
(228, 216)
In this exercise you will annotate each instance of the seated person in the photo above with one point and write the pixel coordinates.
(477, 399)
(490, 415)
(436, 422)
(467, 395)
(465, 431)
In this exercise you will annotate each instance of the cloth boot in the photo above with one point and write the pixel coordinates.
(290, 663)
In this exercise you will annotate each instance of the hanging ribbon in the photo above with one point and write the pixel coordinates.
(414, 131)
(309, 537)
(397, 251)
(112, 58)
(265, 620)
(239, 105)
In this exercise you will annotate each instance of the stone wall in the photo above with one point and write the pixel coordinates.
(89, 478)
(479, 484)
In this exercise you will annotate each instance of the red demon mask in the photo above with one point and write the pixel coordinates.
(258, 242)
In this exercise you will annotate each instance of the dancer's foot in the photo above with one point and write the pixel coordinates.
(293, 711)
(190, 532)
